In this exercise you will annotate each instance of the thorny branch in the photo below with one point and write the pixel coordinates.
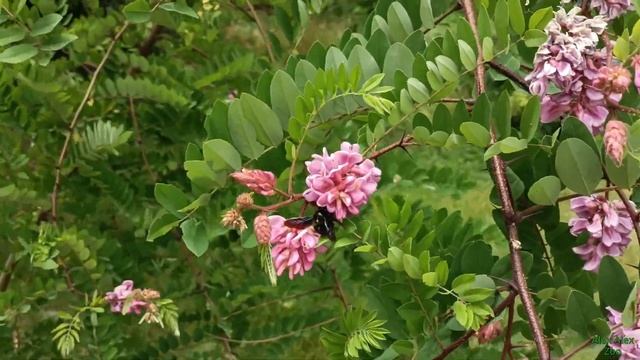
(508, 301)
(508, 209)
(402, 143)
(506, 349)
(74, 122)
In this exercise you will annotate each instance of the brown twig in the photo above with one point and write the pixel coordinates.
(275, 338)
(146, 47)
(457, 100)
(623, 108)
(508, 210)
(269, 208)
(506, 349)
(279, 300)
(462, 340)
(263, 32)
(404, 141)
(509, 73)
(547, 256)
(7, 272)
(67, 276)
(455, 7)
(338, 289)
(74, 122)
(531, 210)
(139, 142)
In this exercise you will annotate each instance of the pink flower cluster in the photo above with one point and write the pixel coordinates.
(293, 249)
(570, 72)
(120, 294)
(624, 340)
(611, 8)
(341, 182)
(608, 224)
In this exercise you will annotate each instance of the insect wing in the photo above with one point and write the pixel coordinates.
(299, 222)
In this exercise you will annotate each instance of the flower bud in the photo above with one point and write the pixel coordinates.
(262, 228)
(613, 79)
(262, 182)
(615, 140)
(233, 219)
(489, 332)
(244, 200)
(150, 294)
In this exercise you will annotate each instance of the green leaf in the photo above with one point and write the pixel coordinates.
(444, 91)
(475, 133)
(540, 18)
(395, 256)
(613, 285)
(11, 34)
(399, 22)
(578, 166)
(545, 191)
(221, 154)
(170, 197)
(430, 279)
(417, 90)
(283, 91)
(264, 120)
(530, 118)
(361, 57)
(242, 132)
(534, 37)
(426, 14)
(137, 11)
(501, 20)
(516, 16)
(162, 224)
(57, 41)
(467, 55)
(477, 294)
(45, 24)
(442, 270)
(344, 242)
(626, 175)
(461, 282)
(622, 48)
(17, 54)
(195, 236)
(487, 49)
(411, 266)
(580, 311)
(202, 176)
(460, 312)
(398, 58)
(447, 67)
(501, 114)
(179, 7)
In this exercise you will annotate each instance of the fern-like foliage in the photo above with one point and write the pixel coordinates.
(362, 331)
(143, 89)
(66, 335)
(100, 140)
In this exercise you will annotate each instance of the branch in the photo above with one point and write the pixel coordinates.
(294, 198)
(623, 108)
(275, 338)
(444, 15)
(74, 122)
(5, 276)
(508, 209)
(509, 73)
(146, 47)
(402, 143)
(508, 301)
(506, 349)
(338, 289)
(136, 129)
(281, 299)
(262, 31)
(535, 208)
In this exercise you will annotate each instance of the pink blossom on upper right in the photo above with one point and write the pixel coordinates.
(608, 224)
(341, 182)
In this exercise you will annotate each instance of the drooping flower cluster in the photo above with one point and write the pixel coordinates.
(489, 332)
(293, 249)
(126, 292)
(567, 71)
(626, 341)
(341, 182)
(262, 182)
(608, 224)
(611, 8)
(615, 140)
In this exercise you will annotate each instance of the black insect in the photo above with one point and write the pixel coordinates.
(322, 221)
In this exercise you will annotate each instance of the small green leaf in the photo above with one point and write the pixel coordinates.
(283, 91)
(137, 11)
(545, 191)
(170, 197)
(411, 266)
(581, 309)
(430, 279)
(17, 54)
(613, 284)
(530, 118)
(344, 242)
(11, 34)
(475, 133)
(162, 224)
(45, 24)
(395, 256)
(447, 67)
(516, 16)
(426, 14)
(57, 41)
(195, 237)
(534, 37)
(417, 90)
(221, 154)
(578, 166)
(540, 18)
(622, 48)
(179, 7)
(399, 22)
(467, 55)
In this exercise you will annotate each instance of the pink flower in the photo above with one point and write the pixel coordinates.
(489, 332)
(341, 182)
(293, 248)
(120, 294)
(262, 182)
(608, 224)
(611, 8)
(635, 61)
(624, 340)
(615, 140)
